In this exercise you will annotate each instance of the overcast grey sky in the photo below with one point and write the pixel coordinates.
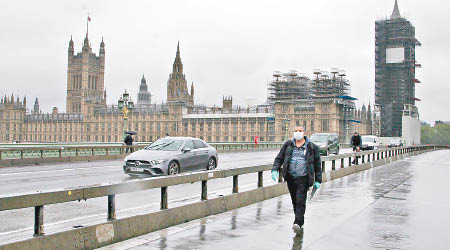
(227, 47)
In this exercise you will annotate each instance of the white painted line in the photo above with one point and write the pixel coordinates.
(59, 170)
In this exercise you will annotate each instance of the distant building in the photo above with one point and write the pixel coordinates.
(144, 96)
(322, 107)
(395, 67)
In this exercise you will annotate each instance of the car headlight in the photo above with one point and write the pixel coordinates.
(156, 162)
(323, 146)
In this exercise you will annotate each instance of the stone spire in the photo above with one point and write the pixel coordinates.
(396, 12)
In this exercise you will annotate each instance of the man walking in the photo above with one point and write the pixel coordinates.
(301, 169)
(129, 142)
(356, 143)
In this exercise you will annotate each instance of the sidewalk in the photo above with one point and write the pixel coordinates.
(390, 207)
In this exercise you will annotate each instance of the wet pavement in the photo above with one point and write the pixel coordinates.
(402, 205)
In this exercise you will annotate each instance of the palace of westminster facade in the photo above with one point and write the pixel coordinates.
(89, 119)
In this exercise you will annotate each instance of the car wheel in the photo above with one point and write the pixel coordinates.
(174, 168)
(212, 164)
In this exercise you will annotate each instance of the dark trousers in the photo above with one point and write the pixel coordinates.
(129, 148)
(298, 188)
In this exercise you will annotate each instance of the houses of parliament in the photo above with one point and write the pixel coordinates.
(88, 117)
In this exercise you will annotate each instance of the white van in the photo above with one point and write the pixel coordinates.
(369, 142)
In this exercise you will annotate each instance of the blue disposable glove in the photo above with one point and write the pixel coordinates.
(316, 185)
(274, 175)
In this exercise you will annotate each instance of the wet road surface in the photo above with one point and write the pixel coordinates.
(402, 205)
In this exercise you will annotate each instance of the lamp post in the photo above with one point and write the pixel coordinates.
(125, 105)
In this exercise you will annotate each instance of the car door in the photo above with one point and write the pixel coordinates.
(187, 158)
(201, 155)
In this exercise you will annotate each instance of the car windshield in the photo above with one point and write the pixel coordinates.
(319, 138)
(165, 145)
(367, 139)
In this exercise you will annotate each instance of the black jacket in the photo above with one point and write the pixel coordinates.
(128, 140)
(312, 160)
(356, 140)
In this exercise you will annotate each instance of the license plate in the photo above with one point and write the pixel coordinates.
(136, 169)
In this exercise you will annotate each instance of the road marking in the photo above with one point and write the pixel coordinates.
(58, 170)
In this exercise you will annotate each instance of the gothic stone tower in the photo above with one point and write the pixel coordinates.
(395, 67)
(177, 91)
(144, 97)
(85, 78)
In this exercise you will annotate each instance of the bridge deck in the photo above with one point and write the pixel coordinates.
(403, 205)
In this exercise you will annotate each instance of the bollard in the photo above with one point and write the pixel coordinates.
(349, 161)
(235, 184)
(38, 221)
(342, 162)
(164, 198)
(204, 190)
(111, 207)
(363, 159)
(260, 179)
(333, 165)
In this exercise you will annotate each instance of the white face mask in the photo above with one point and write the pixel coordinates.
(298, 135)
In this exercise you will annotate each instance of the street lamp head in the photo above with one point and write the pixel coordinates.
(120, 103)
(125, 95)
(130, 104)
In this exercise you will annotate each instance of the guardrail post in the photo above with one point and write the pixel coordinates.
(76, 152)
(323, 166)
(92, 151)
(164, 198)
(235, 184)
(349, 161)
(111, 207)
(38, 221)
(0, 155)
(356, 160)
(363, 158)
(42, 153)
(342, 163)
(60, 152)
(204, 190)
(333, 165)
(378, 155)
(107, 151)
(260, 179)
(21, 154)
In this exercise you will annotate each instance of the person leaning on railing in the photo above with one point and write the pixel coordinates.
(301, 169)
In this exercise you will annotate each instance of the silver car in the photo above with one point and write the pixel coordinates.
(171, 155)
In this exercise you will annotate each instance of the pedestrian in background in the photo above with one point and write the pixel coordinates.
(300, 165)
(129, 142)
(356, 143)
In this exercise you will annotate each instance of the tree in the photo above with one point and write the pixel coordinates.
(439, 134)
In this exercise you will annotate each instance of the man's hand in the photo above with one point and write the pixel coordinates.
(275, 175)
(316, 185)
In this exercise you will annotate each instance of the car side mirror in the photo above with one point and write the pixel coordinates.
(185, 150)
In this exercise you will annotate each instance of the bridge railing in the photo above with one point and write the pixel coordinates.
(39, 200)
(37, 152)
